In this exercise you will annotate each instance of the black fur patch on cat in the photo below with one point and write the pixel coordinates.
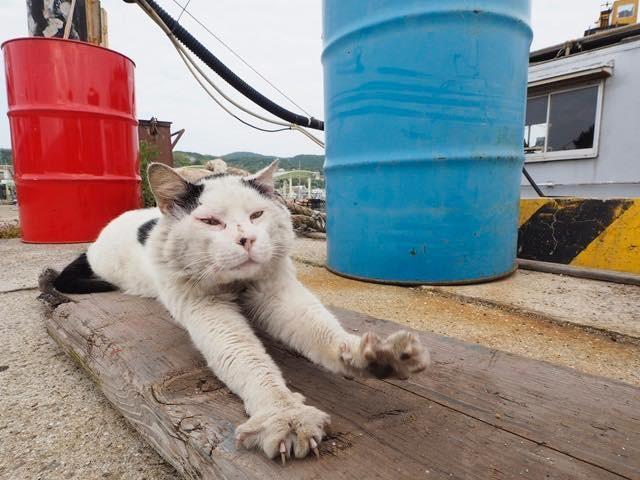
(145, 229)
(213, 176)
(78, 277)
(188, 201)
(258, 187)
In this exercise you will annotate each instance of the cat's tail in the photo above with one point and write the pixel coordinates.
(77, 277)
(50, 296)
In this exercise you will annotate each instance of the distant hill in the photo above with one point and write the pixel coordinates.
(246, 160)
(252, 161)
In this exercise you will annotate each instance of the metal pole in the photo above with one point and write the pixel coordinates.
(533, 183)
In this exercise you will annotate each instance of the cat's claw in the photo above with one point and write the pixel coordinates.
(314, 448)
(398, 355)
(292, 430)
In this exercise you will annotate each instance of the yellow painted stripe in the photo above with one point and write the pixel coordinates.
(617, 247)
(530, 206)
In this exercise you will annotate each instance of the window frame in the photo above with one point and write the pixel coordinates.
(569, 154)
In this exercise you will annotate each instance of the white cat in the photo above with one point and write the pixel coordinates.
(216, 254)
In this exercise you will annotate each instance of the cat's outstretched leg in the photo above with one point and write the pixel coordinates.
(285, 309)
(280, 424)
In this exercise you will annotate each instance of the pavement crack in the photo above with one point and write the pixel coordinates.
(21, 289)
(552, 225)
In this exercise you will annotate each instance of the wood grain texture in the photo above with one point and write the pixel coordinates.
(476, 414)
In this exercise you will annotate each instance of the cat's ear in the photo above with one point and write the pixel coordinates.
(169, 188)
(263, 179)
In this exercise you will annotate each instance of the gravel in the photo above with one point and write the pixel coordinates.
(54, 422)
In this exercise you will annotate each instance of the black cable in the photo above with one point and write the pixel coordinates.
(227, 75)
(533, 183)
(237, 55)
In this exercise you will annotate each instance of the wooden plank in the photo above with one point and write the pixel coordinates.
(591, 418)
(94, 21)
(147, 368)
(104, 28)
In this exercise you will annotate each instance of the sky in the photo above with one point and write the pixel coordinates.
(281, 39)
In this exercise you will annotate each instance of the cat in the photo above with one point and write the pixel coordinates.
(215, 253)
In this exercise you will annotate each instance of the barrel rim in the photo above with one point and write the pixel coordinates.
(340, 35)
(56, 39)
(415, 283)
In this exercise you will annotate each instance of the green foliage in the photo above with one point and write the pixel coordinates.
(251, 161)
(317, 183)
(5, 157)
(245, 160)
(184, 159)
(148, 153)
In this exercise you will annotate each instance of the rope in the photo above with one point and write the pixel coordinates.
(220, 104)
(186, 57)
(207, 57)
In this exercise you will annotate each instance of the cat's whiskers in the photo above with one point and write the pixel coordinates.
(209, 270)
(198, 262)
(279, 251)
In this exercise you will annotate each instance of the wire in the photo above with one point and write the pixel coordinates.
(204, 87)
(184, 9)
(186, 57)
(290, 126)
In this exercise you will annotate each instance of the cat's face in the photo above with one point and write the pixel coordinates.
(223, 228)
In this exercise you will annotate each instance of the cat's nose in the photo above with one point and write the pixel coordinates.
(247, 241)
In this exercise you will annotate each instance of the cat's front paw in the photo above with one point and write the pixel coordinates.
(282, 431)
(398, 355)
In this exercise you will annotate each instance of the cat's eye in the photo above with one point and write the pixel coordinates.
(257, 214)
(211, 221)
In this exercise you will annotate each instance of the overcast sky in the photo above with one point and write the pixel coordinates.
(279, 38)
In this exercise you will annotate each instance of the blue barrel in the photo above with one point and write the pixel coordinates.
(424, 111)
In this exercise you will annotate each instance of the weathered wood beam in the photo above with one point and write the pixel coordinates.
(94, 22)
(476, 414)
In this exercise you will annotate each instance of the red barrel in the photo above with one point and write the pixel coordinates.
(74, 137)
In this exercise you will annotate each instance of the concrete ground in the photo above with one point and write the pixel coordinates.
(55, 424)
(8, 213)
(609, 307)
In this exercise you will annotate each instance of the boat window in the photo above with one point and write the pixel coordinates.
(573, 119)
(563, 124)
(535, 133)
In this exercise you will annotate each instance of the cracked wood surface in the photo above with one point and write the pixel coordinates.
(476, 414)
